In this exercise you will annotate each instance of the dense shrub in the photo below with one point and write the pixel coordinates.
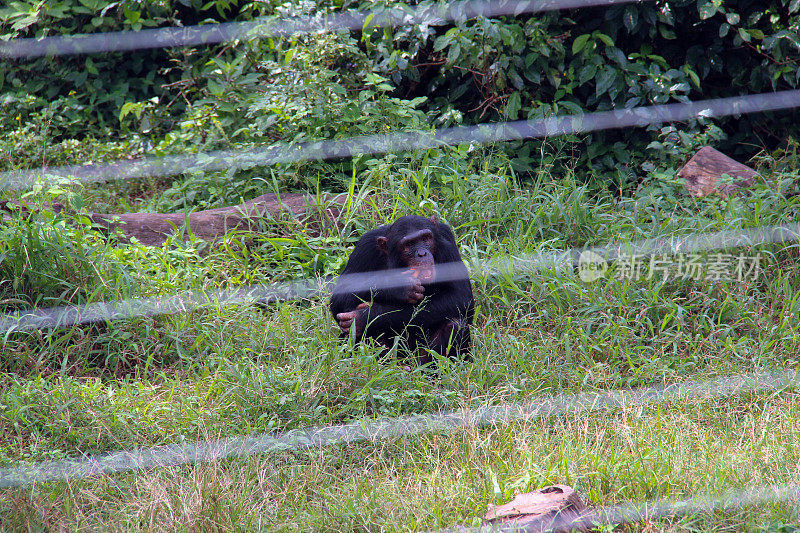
(470, 71)
(601, 58)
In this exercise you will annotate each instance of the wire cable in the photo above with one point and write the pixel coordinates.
(431, 14)
(374, 430)
(637, 512)
(66, 316)
(405, 141)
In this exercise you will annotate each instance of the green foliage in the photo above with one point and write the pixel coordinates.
(311, 88)
(47, 261)
(219, 371)
(409, 77)
(94, 84)
(37, 139)
(97, 87)
(547, 64)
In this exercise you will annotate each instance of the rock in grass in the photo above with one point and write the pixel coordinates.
(541, 510)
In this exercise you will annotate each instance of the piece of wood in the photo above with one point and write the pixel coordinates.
(702, 174)
(541, 510)
(153, 228)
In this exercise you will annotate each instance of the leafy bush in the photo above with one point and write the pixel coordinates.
(586, 60)
(471, 71)
(46, 261)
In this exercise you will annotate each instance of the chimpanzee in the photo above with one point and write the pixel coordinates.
(407, 279)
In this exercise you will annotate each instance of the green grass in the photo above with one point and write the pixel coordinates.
(240, 370)
(432, 481)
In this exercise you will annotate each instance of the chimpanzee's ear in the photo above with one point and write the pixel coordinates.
(433, 219)
(382, 244)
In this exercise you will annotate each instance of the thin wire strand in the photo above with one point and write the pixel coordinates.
(404, 141)
(374, 430)
(432, 15)
(637, 512)
(66, 316)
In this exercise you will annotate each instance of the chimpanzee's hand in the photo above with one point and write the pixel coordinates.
(414, 292)
(347, 319)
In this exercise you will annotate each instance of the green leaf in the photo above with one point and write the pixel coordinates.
(605, 79)
(693, 76)
(605, 38)
(617, 55)
(448, 37)
(587, 73)
(367, 20)
(756, 34)
(373, 78)
(555, 78)
(572, 107)
(454, 53)
(76, 202)
(666, 33)
(131, 16)
(513, 106)
(631, 17)
(127, 107)
(732, 18)
(707, 10)
(90, 67)
(533, 75)
(744, 35)
(515, 79)
(214, 87)
(579, 43)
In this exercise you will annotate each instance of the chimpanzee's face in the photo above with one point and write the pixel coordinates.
(416, 251)
(411, 243)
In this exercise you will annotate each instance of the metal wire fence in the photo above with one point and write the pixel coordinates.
(374, 430)
(403, 141)
(369, 431)
(431, 14)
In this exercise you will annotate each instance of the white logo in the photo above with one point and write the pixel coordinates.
(591, 266)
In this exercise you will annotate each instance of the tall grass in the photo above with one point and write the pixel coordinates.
(238, 370)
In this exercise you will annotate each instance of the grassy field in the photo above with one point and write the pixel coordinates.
(247, 370)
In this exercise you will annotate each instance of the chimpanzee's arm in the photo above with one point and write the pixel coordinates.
(452, 301)
(392, 287)
(447, 301)
(382, 319)
(365, 262)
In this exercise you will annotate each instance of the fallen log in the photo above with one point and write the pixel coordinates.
(153, 228)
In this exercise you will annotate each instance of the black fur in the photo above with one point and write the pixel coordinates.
(440, 322)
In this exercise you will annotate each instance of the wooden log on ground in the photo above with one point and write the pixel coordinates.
(154, 228)
(703, 172)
